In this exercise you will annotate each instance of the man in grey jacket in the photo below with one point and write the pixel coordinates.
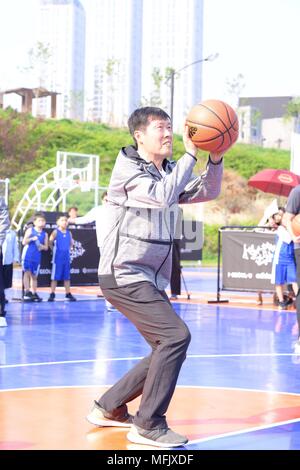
(136, 255)
(4, 226)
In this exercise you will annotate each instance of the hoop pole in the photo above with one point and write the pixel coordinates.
(218, 299)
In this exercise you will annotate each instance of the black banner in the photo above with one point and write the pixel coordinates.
(191, 242)
(85, 254)
(84, 258)
(247, 260)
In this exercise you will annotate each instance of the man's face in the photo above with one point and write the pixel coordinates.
(156, 139)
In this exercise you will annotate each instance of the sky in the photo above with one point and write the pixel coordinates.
(258, 39)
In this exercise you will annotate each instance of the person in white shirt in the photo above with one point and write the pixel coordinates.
(90, 217)
(11, 254)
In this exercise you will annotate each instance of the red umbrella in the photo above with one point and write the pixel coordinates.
(279, 182)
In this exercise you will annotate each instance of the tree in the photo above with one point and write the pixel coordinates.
(293, 111)
(157, 79)
(155, 96)
(235, 196)
(38, 59)
(18, 141)
(73, 101)
(235, 86)
(111, 72)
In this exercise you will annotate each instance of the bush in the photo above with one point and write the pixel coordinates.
(28, 148)
(210, 246)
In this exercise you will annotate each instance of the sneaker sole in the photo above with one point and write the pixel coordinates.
(105, 423)
(138, 439)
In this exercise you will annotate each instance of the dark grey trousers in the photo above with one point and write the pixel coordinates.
(155, 376)
(297, 257)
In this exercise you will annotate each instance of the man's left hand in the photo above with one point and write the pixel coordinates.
(216, 157)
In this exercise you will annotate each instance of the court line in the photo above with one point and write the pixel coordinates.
(213, 387)
(138, 358)
(243, 431)
(194, 441)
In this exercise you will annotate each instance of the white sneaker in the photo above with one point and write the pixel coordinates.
(157, 437)
(109, 306)
(99, 417)
(297, 347)
(3, 322)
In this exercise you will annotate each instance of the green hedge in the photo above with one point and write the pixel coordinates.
(50, 135)
(210, 245)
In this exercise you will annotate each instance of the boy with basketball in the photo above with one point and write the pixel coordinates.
(135, 266)
(35, 241)
(61, 242)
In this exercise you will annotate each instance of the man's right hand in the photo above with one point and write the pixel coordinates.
(188, 143)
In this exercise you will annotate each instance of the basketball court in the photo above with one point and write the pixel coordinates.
(238, 388)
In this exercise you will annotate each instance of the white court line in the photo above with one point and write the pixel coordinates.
(194, 441)
(234, 389)
(138, 358)
(243, 431)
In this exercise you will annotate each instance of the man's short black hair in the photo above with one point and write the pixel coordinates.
(141, 117)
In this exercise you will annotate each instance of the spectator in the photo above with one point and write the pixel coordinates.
(73, 212)
(35, 240)
(271, 224)
(61, 242)
(284, 265)
(94, 215)
(4, 225)
(292, 209)
(11, 254)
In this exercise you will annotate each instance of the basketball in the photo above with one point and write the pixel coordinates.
(296, 225)
(213, 125)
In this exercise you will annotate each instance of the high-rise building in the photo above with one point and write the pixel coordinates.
(172, 39)
(62, 31)
(131, 44)
(114, 46)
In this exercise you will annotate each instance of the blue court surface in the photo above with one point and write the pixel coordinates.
(240, 374)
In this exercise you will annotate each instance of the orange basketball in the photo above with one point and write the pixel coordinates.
(213, 125)
(296, 225)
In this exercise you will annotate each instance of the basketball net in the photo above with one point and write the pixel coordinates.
(85, 186)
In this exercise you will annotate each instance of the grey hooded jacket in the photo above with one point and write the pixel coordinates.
(140, 216)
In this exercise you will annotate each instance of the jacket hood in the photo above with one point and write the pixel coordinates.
(131, 152)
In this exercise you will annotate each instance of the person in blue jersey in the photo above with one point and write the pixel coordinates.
(284, 264)
(61, 242)
(35, 241)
